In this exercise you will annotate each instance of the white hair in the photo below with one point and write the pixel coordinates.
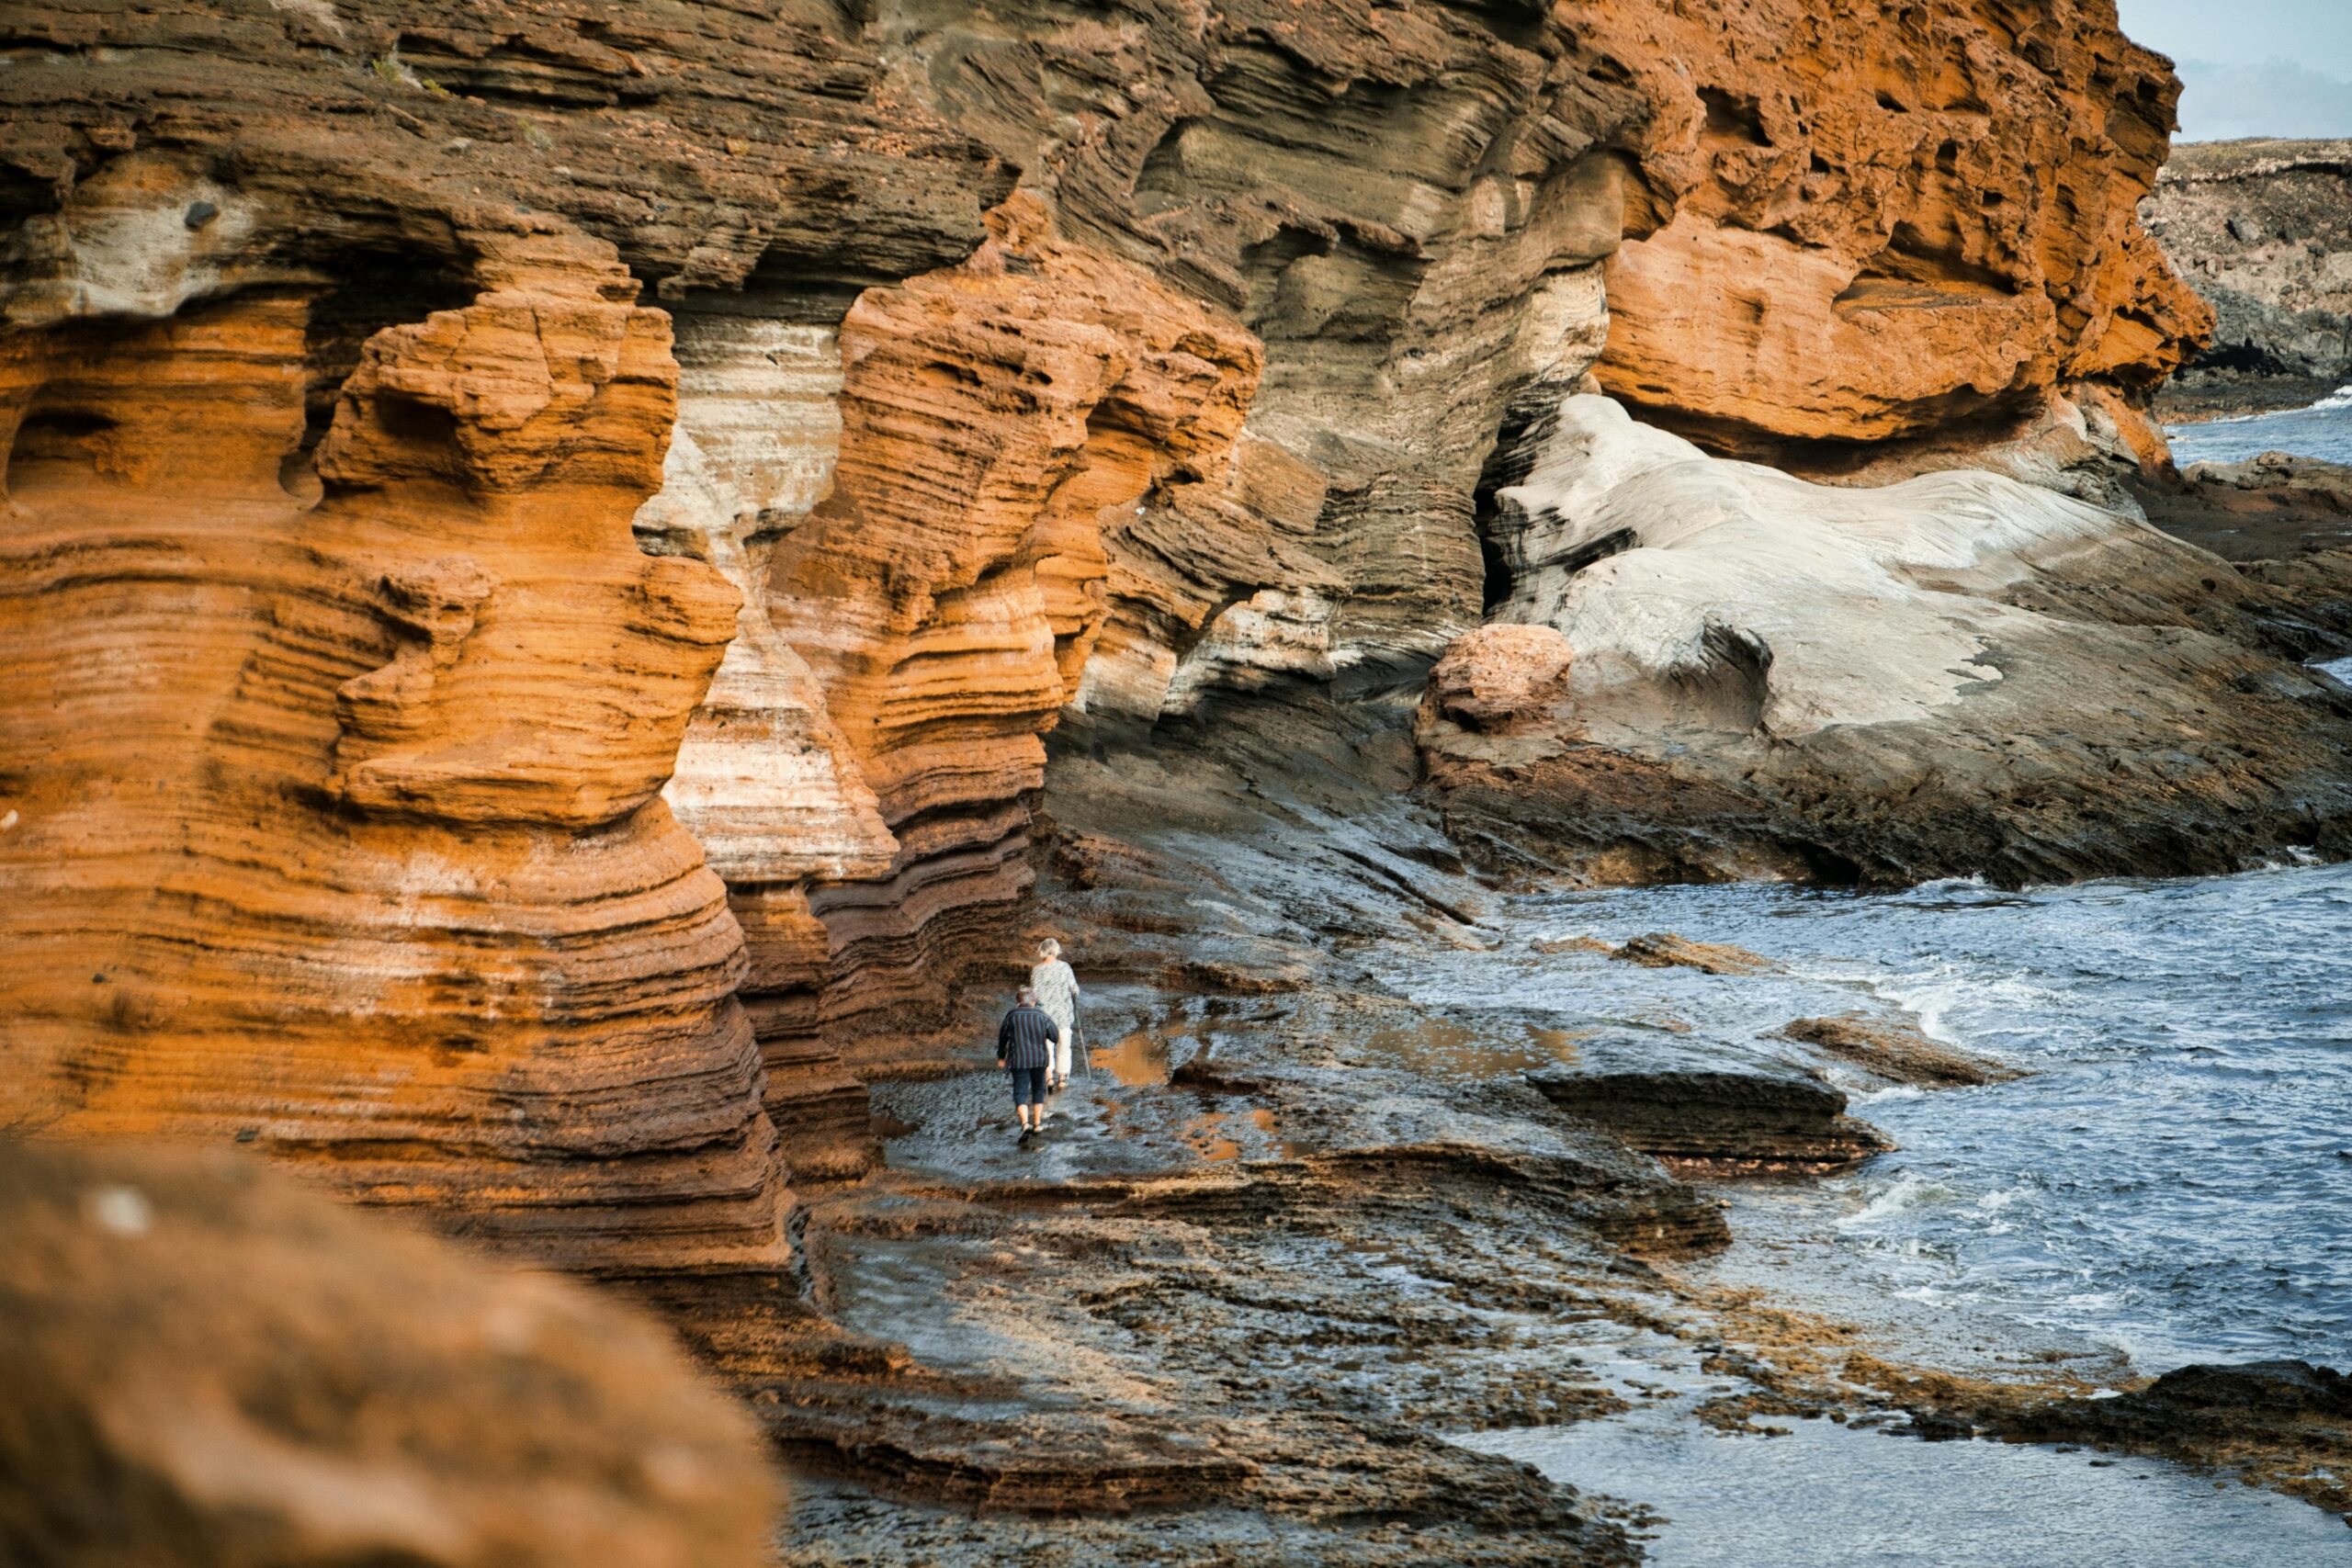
(1049, 948)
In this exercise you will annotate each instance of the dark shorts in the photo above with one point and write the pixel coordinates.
(1028, 1085)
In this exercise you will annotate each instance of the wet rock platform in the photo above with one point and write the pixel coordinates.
(1297, 1256)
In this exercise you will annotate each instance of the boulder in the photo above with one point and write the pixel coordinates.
(2049, 690)
(1664, 950)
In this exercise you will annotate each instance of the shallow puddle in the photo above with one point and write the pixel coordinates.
(1449, 1050)
(1212, 1136)
(1137, 1059)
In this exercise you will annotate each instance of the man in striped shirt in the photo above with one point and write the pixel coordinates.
(1025, 1044)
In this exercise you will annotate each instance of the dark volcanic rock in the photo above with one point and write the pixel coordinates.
(2202, 1403)
(2260, 229)
(1705, 1112)
(2284, 524)
(2286, 1424)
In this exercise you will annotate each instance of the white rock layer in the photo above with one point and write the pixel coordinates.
(1731, 596)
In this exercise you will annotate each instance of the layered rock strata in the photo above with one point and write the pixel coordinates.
(2263, 232)
(1406, 204)
(344, 836)
(2052, 690)
(1410, 205)
(949, 591)
(545, 542)
(329, 402)
(1707, 1117)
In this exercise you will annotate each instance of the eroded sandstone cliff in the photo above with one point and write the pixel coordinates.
(1890, 221)
(545, 544)
(333, 396)
(348, 697)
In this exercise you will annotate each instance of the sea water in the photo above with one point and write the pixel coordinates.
(1816, 1495)
(2171, 1184)
(2323, 430)
(2172, 1179)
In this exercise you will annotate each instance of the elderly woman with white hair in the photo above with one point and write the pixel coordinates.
(1056, 990)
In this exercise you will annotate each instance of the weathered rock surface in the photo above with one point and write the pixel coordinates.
(1708, 1113)
(958, 482)
(329, 403)
(1204, 409)
(1898, 1050)
(1407, 204)
(546, 546)
(1888, 219)
(2051, 690)
(205, 1364)
(343, 833)
(2281, 1424)
(2263, 230)
(1664, 950)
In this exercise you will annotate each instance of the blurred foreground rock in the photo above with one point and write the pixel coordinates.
(207, 1364)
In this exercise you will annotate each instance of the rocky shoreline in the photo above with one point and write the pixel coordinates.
(1295, 1228)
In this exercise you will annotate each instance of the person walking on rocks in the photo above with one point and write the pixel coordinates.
(1056, 990)
(1024, 1045)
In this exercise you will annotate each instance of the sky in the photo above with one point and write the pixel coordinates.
(2253, 67)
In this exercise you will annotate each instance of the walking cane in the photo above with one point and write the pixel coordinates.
(1085, 1056)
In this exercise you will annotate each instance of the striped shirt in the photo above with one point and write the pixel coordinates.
(1022, 1038)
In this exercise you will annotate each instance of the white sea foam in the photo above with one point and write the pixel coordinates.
(1910, 1191)
(1935, 995)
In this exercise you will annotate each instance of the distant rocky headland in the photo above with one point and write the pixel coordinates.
(580, 582)
(2263, 232)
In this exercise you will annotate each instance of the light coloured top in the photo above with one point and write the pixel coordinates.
(1056, 990)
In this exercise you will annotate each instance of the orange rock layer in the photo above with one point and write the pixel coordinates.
(337, 817)
(1888, 220)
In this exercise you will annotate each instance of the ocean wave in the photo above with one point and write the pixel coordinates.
(1910, 1191)
(1933, 997)
(2339, 399)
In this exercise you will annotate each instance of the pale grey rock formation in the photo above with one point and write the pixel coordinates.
(1957, 674)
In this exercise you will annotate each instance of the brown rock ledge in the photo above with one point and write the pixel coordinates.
(1899, 1051)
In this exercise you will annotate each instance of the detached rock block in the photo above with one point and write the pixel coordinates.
(1710, 1112)
(1664, 950)
(1899, 1051)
